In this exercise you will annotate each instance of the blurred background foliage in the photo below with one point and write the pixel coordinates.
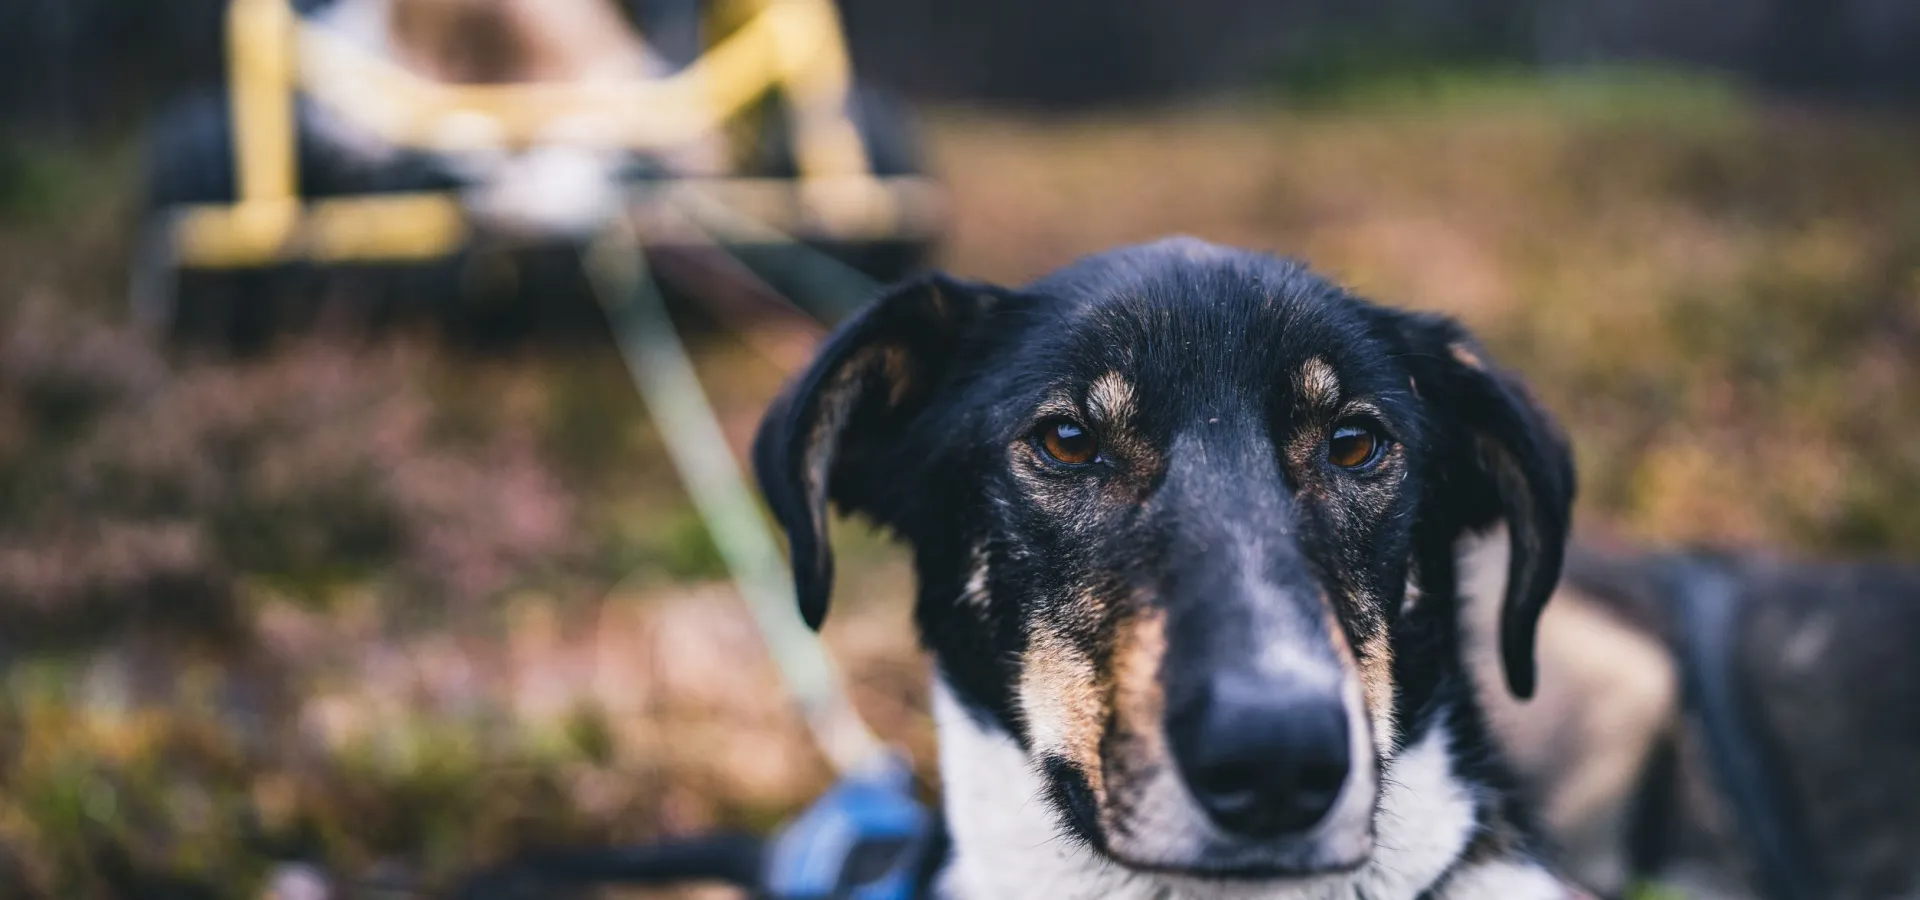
(397, 605)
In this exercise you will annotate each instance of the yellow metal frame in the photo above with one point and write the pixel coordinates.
(794, 46)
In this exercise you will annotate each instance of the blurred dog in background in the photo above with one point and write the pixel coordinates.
(1730, 726)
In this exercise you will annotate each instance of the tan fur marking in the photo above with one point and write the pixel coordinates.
(1140, 643)
(1466, 357)
(1112, 405)
(1060, 698)
(1317, 384)
(1110, 399)
(1303, 451)
(836, 403)
(1137, 699)
(835, 408)
(893, 365)
(1373, 666)
(974, 595)
(1376, 681)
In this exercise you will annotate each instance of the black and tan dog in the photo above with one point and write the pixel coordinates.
(1185, 522)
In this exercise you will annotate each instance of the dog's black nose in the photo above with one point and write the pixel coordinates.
(1263, 760)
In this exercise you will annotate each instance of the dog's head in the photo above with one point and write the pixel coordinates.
(1184, 521)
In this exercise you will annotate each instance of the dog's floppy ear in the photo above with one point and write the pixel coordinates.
(1502, 458)
(826, 435)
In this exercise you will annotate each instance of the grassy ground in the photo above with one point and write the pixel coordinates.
(399, 608)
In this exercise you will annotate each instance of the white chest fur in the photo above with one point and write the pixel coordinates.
(1007, 844)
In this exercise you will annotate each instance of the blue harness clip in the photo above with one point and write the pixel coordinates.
(866, 839)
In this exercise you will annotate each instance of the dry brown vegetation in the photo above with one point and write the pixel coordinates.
(401, 609)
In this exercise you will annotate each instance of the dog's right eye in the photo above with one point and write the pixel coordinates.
(1354, 447)
(1067, 442)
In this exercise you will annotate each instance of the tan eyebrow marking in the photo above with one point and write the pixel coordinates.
(1317, 384)
(1110, 398)
(1362, 406)
(1057, 407)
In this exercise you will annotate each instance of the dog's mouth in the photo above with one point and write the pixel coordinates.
(1288, 858)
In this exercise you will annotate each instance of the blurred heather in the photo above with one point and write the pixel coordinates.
(396, 604)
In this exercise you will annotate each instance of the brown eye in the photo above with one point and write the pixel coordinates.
(1067, 442)
(1354, 447)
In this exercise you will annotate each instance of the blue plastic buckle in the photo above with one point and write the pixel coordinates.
(866, 839)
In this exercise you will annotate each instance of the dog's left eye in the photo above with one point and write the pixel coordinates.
(1354, 447)
(1067, 442)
